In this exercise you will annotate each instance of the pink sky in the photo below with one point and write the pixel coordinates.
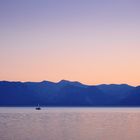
(88, 41)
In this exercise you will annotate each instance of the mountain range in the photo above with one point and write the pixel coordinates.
(67, 93)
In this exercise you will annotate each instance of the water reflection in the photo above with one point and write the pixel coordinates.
(70, 124)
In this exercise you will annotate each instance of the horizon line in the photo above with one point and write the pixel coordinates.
(22, 81)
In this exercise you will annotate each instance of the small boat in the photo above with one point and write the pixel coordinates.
(38, 107)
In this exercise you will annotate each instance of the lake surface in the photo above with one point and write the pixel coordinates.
(70, 124)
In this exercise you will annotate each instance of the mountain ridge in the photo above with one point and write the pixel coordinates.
(67, 93)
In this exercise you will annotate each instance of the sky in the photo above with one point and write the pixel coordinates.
(91, 41)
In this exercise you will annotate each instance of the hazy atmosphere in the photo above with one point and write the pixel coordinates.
(91, 41)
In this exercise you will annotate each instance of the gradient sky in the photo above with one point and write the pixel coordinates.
(91, 41)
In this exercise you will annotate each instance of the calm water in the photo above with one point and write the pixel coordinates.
(70, 124)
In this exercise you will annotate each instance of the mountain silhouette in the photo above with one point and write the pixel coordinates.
(67, 93)
(133, 99)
